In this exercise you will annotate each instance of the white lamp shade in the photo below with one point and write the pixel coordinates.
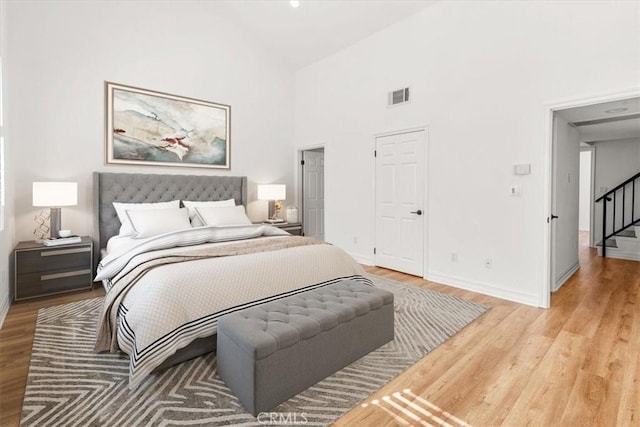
(55, 194)
(272, 192)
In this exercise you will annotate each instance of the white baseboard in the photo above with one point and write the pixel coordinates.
(618, 254)
(565, 276)
(4, 309)
(363, 259)
(485, 289)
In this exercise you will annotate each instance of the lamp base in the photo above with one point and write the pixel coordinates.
(55, 220)
(274, 209)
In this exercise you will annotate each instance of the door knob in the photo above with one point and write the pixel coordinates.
(418, 212)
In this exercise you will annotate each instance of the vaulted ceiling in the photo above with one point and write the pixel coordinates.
(317, 28)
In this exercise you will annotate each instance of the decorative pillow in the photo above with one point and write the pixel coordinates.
(121, 209)
(193, 217)
(223, 216)
(151, 222)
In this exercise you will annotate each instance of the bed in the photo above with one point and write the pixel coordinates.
(228, 269)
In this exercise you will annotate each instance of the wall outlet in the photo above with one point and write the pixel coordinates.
(488, 263)
(454, 256)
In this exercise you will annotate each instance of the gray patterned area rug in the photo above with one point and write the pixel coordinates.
(69, 385)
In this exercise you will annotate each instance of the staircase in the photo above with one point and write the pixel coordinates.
(620, 221)
(623, 245)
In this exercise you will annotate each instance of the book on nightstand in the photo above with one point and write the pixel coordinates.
(61, 241)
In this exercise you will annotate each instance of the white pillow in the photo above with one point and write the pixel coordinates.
(193, 217)
(223, 216)
(151, 222)
(121, 209)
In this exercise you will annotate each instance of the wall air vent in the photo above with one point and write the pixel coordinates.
(400, 96)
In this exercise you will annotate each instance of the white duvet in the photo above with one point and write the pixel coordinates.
(172, 305)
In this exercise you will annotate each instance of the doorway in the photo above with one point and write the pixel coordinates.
(585, 215)
(312, 200)
(400, 209)
(573, 127)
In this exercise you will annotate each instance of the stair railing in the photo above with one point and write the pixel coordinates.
(628, 204)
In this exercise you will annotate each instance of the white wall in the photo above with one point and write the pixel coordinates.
(6, 229)
(481, 75)
(615, 162)
(62, 52)
(584, 221)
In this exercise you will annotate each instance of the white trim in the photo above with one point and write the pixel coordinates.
(592, 185)
(485, 289)
(427, 180)
(4, 309)
(398, 132)
(592, 207)
(566, 276)
(549, 108)
(620, 254)
(363, 259)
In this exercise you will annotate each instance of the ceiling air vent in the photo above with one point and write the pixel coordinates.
(399, 96)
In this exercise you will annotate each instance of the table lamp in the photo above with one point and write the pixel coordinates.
(274, 193)
(53, 195)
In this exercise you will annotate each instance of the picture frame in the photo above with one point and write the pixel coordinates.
(146, 127)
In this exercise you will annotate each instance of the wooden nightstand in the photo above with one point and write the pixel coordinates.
(41, 270)
(294, 228)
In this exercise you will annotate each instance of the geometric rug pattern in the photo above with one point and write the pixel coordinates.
(70, 385)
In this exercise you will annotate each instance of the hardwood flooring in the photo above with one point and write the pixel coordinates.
(577, 363)
(16, 338)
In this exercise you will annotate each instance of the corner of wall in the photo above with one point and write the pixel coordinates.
(486, 289)
(362, 259)
(4, 309)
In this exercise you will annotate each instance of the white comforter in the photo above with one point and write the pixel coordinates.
(172, 305)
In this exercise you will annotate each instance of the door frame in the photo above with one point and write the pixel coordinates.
(592, 186)
(549, 108)
(300, 184)
(425, 195)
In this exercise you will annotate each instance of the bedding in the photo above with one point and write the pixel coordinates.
(223, 216)
(149, 223)
(191, 206)
(126, 227)
(169, 290)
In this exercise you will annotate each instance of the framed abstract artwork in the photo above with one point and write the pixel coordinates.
(145, 127)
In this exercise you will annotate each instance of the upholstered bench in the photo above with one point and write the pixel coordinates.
(271, 352)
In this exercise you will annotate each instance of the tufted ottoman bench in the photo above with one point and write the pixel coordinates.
(271, 352)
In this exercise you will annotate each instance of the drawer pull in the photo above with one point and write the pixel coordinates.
(63, 275)
(64, 251)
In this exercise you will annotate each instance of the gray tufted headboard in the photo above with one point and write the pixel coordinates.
(149, 188)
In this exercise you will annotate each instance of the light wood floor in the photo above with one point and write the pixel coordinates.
(576, 364)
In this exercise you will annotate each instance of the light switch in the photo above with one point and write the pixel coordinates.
(515, 190)
(522, 169)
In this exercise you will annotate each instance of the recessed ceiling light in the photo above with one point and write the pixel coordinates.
(615, 110)
(294, 3)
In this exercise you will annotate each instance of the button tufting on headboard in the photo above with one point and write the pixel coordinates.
(151, 188)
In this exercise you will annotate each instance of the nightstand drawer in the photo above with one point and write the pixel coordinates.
(53, 259)
(41, 270)
(296, 230)
(52, 282)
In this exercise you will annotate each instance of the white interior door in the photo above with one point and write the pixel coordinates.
(313, 193)
(400, 209)
(565, 201)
